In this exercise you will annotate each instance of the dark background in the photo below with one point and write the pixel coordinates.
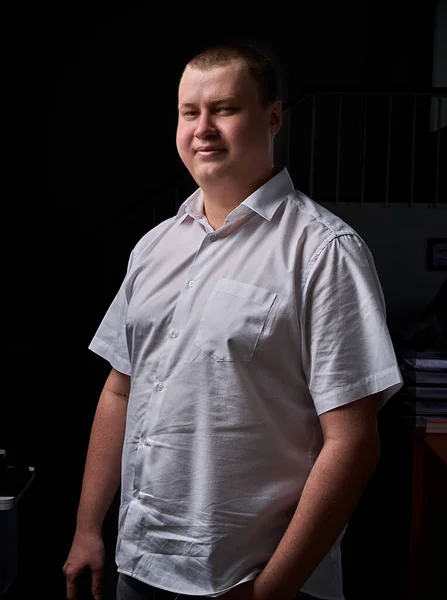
(91, 98)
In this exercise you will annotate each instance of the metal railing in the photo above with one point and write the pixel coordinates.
(388, 147)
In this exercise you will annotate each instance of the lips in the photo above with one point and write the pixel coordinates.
(206, 150)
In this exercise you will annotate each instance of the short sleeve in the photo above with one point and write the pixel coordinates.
(347, 349)
(110, 339)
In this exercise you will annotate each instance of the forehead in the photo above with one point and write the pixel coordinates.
(232, 79)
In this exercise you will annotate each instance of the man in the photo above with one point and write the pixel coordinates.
(250, 353)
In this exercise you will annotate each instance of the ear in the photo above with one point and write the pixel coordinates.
(275, 116)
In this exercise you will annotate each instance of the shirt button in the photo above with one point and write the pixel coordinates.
(192, 283)
(174, 333)
(213, 238)
(147, 442)
(136, 494)
(159, 387)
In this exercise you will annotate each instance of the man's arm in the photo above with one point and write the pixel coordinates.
(103, 463)
(349, 456)
(100, 484)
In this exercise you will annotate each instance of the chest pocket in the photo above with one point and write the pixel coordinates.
(233, 320)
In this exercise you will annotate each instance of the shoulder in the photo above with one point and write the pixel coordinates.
(320, 233)
(318, 218)
(152, 238)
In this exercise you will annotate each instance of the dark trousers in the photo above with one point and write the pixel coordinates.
(129, 588)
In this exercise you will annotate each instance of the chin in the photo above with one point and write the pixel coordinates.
(210, 175)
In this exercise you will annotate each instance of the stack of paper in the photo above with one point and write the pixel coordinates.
(432, 423)
(425, 381)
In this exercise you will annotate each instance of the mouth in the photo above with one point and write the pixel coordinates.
(207, 152)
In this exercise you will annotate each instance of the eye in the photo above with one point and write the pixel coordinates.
(228, 110)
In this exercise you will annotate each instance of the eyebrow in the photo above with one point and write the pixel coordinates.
(229, 98)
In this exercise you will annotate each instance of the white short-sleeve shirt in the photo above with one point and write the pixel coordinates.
(236, 340)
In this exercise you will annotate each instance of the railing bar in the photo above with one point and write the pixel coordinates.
(438, 148)
(312, 146)
(388, 153)
(337, 181)
(289, 126)
(364, 150)
(290, 104)
(153, 214)
(435, 92)
(413, 149)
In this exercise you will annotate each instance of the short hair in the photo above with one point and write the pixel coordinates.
(257, 63)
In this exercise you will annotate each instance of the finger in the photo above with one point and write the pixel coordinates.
(96, 583)
(72, 589)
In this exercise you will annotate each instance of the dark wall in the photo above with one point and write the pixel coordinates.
(93, 114)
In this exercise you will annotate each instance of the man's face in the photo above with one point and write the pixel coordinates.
(224, 133)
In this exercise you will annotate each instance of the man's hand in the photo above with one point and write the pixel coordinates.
(86, 554)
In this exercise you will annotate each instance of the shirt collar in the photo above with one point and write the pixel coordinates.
(264, 201)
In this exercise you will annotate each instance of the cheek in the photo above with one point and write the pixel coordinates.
(244, 135)
(183, 138)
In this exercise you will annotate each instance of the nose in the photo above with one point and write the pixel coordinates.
(205, 126)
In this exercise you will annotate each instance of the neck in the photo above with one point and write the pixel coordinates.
(219, 200)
